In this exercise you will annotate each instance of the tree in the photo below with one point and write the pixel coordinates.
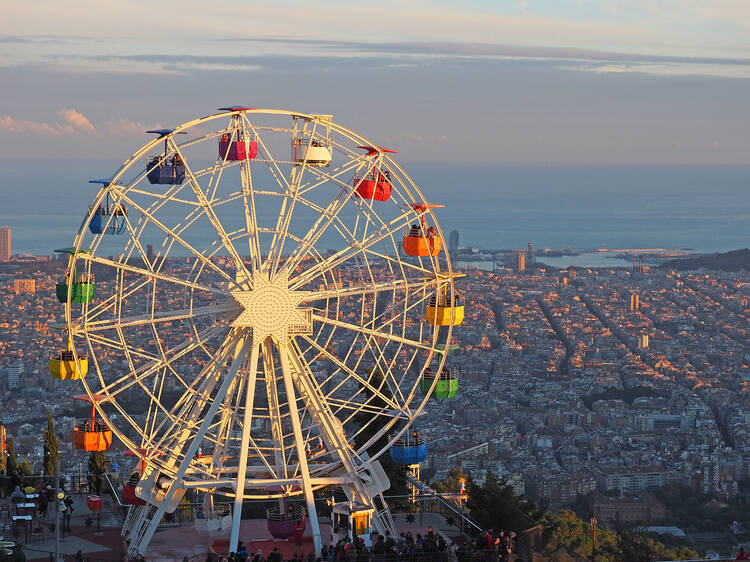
(452, 484)
(51, 448)
(495, 506)
(11, 463)
(97, 467)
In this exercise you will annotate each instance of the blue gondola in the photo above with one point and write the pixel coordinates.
(411, 450)
(164, 170)
(108, 217)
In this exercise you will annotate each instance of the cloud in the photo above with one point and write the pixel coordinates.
(414, 138)
(739, 69)
(397, 55)
(77, 121)
(122, 126)
(72, 122)
(29, 127)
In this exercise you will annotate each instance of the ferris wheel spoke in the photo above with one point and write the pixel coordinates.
(274, 410)
(330, 428)
(239, 495)
(155, 362)
(182, 429)
(349, 252)
(147, 277)
(135, 231)
(340, 405)
(385, 367)
(286, 355)
(251, 215)
(166, 197)
(290, 191)
(163, 317)
(334, 176)
(194, 443)
(209, 212)
(135, 241)
(281, 232)
(194, 396)
(177, 238)
(396, 285)
(350, 372)
(228, 417)
(327, 217)
(370, 332)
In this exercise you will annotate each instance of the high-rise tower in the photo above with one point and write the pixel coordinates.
(453, 242)
(5, 243)
(520, 262)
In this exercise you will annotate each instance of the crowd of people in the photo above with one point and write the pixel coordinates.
(431, 547)
(386, 548)
(490, 546)
(20, 491)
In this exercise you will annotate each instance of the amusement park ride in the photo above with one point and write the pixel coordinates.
(298, 308)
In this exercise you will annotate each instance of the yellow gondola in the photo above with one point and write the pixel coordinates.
(63, 366)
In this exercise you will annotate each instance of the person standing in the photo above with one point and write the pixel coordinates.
(299, 531)
(68, 513)
(43, 504)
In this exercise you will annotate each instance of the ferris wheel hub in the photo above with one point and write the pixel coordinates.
(270, 308)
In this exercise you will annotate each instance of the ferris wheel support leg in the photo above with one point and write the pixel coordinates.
(275, 414)
(239, 493)
(336, 442)
(299, 439)
(193, 448)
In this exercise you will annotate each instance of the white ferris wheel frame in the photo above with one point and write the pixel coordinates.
(223, 390)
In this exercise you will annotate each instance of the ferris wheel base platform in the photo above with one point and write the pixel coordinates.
(176, 543)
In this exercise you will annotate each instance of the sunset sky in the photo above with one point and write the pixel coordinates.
(534, 80)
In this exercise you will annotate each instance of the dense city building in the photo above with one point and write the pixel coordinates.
(24, 286)
(564, 391)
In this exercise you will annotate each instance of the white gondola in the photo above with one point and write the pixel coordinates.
(311, 141)
(210, 521)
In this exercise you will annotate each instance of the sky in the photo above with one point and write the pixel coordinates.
(600, 81)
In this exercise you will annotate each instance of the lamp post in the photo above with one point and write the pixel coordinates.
(58, 499)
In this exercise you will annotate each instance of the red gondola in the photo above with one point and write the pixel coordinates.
(376, 183)
(236, 143)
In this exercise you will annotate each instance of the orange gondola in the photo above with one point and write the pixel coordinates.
(91, 434)
(420, 239)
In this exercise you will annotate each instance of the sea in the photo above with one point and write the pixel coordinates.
(493, 206)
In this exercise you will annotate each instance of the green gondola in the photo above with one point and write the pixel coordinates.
(82, 289)
(446, 387)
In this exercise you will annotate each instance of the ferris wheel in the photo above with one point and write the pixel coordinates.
(253, 301)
